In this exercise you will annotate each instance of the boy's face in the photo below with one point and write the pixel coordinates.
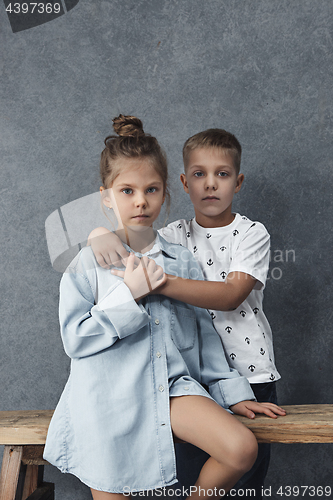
(211, 182)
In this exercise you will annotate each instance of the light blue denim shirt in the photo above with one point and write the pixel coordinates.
(111, 427)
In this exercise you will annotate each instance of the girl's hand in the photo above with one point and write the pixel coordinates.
(107, 248)
(143, 278)
(250, 408)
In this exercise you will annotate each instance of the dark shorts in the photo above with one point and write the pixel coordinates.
(190, 459)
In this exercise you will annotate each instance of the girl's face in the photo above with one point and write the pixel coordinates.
(136, 194)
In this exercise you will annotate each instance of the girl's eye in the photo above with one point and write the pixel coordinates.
(151, 190)
(127, 191)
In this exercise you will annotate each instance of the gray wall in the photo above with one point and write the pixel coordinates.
(262, 70)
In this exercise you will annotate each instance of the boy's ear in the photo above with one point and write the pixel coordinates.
(184, 182)
(239, 182)
(106, 200)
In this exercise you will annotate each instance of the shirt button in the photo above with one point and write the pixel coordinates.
(157, 321)
(186, 388)
(158, 354)
(161, 388)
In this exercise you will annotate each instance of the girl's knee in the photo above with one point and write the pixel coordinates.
(251, 450)
(243, 453)
(247, 452)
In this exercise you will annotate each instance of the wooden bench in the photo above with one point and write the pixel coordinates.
(24, 432)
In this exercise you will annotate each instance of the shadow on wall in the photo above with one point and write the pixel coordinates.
(25, 15)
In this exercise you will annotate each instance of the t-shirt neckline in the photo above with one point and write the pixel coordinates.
(216, 230)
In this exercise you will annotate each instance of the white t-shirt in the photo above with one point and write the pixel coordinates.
(242, 246)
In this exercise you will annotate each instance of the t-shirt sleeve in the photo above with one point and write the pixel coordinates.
(252, 254)
(174, 232)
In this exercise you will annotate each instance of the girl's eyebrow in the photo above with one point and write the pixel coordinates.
(127, 185)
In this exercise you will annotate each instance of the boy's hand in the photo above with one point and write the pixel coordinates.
(108, 248)
(143, 278)
(250, 408)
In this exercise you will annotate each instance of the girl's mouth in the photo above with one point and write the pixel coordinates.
(210, 198)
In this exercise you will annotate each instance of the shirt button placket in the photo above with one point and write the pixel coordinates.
(162, 401)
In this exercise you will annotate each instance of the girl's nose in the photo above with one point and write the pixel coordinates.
(141, 200)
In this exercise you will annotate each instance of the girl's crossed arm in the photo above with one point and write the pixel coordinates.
(89, 325)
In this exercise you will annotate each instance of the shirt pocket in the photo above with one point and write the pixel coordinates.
(183, 327)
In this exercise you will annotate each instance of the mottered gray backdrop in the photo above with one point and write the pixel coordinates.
(262, 70)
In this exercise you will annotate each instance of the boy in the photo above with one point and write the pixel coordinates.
(233, 253)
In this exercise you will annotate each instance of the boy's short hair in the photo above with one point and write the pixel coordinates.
(214, 138)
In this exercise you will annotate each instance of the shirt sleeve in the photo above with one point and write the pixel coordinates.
(87, 328)
(224, 383)
(252, 254)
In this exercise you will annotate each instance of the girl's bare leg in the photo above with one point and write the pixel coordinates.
(103, 495)
(231, 446)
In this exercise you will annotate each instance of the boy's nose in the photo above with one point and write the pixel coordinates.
(211, 182)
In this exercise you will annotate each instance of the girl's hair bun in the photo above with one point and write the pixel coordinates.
(128, 126)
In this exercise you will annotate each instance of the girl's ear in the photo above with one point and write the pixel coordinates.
(184, 182)
(105, 197)
(239, 182)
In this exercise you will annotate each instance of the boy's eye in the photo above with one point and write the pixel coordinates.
(222, 174)
(198, 174)
(127, 191)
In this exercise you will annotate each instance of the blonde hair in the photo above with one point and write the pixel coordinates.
(214, 138)
(132, 142)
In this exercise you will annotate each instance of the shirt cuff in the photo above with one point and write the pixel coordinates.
(230, 391)
(124, 313)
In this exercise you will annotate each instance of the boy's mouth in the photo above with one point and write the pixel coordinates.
(211, 198)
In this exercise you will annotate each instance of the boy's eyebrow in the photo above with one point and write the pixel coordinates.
(203, 166)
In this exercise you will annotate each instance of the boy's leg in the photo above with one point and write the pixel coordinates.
(231, 447)
(254, 479)
(190, 461)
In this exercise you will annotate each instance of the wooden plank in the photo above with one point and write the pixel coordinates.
(24, 427)
(302, 424)
(33, 455)
(11, 464)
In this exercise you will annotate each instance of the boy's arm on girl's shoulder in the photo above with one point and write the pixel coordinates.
(109, 250)
(221, 296)
(248, 269)
(107, 247)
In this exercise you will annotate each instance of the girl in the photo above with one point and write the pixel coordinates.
(137, 359)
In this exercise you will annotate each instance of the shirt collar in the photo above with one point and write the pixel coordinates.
(160, 245)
